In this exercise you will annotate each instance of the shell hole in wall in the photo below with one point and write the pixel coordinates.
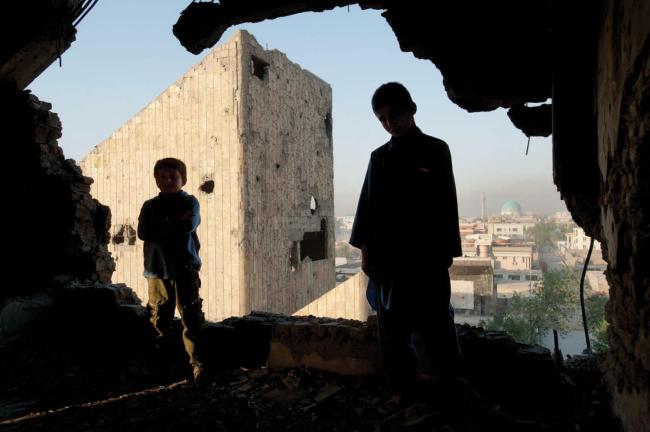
(314, 244)
(124, 233)
(207, 187)
(259, 67)
(294, 262)
(313, 205)
(328, 125)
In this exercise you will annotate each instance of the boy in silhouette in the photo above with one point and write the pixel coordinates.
(406, 226)
(168, 224)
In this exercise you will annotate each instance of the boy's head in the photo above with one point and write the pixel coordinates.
(394, 108)
(170, 175)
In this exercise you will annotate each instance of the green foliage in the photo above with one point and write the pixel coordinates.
(595, 310)
(598, 337)
(545, 233)
(551, 305)
(559, 298)
(518, 320)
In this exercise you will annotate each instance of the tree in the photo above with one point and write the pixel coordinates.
(545, 233)
(595, 310)
(550, 306)
(516, 320)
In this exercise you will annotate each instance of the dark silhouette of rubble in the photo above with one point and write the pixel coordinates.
(103, 376)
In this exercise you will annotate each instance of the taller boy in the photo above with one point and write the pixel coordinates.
(168, 224)
(406, 226)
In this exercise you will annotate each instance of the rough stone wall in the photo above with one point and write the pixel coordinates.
(623, 153)
(55, 230)
(195, 120)
(287, 133)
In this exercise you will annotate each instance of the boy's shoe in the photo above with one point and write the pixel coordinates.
(198, 372)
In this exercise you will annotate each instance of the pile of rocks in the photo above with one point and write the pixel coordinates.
(57, 228)
(273, 371)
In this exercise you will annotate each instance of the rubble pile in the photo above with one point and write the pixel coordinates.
(74, 342)
(495, 364)
(272, 372)
(298, 399)
(58, 229)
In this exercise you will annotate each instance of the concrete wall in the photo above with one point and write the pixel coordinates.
(195, 120)
(286, 129)
(513, 230)
(512, 258)
(346, 300)
(472, 286)
(231, 128)
(577, 239)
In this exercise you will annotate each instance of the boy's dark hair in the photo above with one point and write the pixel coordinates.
(171, 163)
(392, 94)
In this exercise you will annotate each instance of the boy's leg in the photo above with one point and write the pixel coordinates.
(439, 343)
(398, 359)
(162, 299)
(189, 306)
(436, 329)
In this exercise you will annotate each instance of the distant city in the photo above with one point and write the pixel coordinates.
(505, 254)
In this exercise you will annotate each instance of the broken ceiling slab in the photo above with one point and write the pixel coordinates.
(532, 121)
(491, 54)
(34, 34)
(201, 25)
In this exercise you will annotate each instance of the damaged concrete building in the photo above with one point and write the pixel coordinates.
(255, 131)
(591, 58)
(473, 291)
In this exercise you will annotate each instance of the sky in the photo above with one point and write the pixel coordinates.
(125, 55)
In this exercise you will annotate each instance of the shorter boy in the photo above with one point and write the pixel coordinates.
(168, 224)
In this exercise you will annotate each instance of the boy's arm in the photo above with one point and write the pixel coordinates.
(454, 244)
(151, 227)
(190, 220)
(360, 227)
(364, 260)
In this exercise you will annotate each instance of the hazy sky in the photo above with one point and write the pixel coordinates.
(126, 55)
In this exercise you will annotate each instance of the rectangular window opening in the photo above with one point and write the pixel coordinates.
(259, 67)
(314, 244)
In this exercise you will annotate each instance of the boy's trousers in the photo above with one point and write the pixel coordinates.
(183, 293)
(416, 328)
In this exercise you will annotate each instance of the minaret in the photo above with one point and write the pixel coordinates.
(483, 208)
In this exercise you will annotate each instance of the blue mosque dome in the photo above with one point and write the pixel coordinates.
(511, 208)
